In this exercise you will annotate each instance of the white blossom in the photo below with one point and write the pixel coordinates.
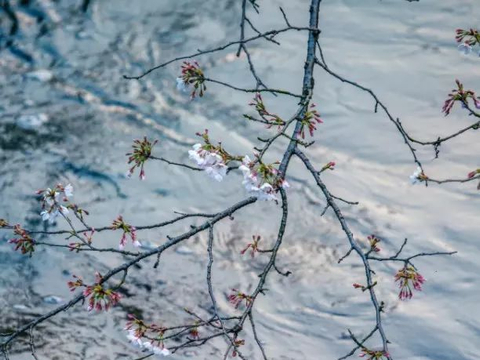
(211, 162)
(68, 191)
(53, 212)
(63, 210)
(50, 196)
(181, 85)
(415, 177)
(147, 345)
(136, 341)
(217, 172)
(46, 215)
(50, 215)
(137, 243)
(161, 352)
(465, 48)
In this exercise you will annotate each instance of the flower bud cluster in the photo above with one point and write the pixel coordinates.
(99, 298)
(142, 151)
(120, 224)
(192, 75)
(253, 246)
(460, 95)
(238, 297)
(310, 121)
(266, 117)
(24, 242)
(408, 277)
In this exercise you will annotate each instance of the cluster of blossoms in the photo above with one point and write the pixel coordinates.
(238, 297)
(192, 75)
(407, 277)
(213, 159)
(266, 117)
(374, 354)
(98, 297)
(137, 329)
(51, 201)
(261, 180)
(120, 224)
(461, 95)
(467, 39)
(418, 176)
(142, 151)
(24, 242)
(373, 241)
(310, 121)
(253, 246)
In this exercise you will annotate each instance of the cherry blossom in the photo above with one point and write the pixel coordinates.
(211, 158)
(211, 162)
(418, 176)
(467, 39)
(406, 278)
(51, 201)
(137, 329)
(134, 339)
(182, 86)
(68, 191)
(260, 180)
(465, 48)
(53, 212)
(158, 351)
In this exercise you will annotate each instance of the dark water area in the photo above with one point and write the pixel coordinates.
(68, 115)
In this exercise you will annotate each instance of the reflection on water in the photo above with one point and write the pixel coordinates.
(68, 115)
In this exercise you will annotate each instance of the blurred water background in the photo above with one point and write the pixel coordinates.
(67, 114)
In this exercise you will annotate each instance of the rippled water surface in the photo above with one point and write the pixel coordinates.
(65, 68)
